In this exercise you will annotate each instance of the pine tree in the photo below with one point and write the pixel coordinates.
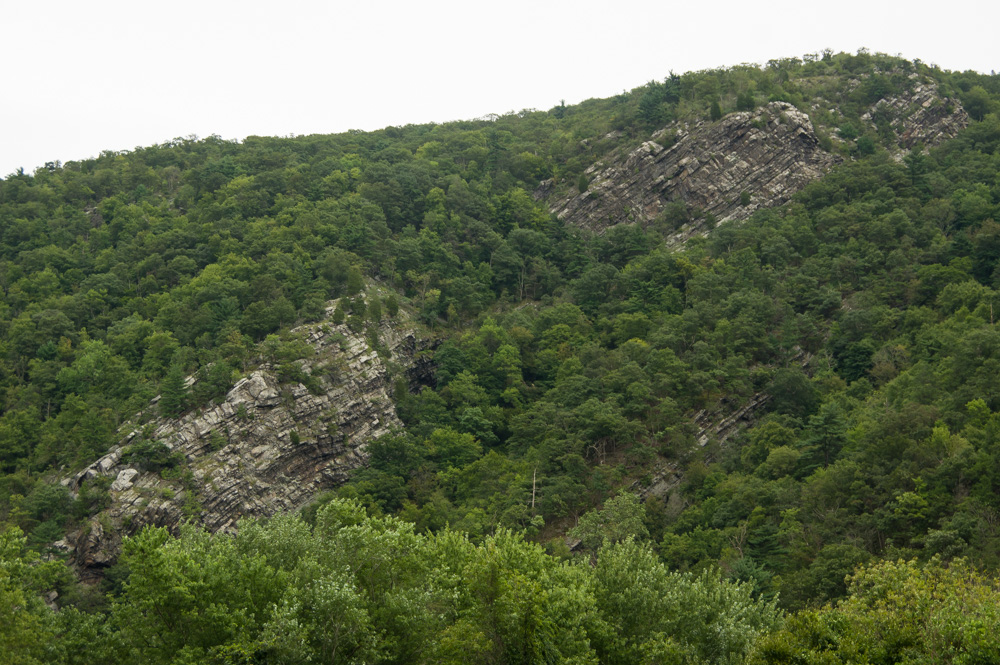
(716, 111)
(392, 306)
(339, 315)
(355, 281)
(374, 310)
(173, 391)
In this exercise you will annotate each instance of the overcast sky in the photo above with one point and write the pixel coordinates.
(84, 76)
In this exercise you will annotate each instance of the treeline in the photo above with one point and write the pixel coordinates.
(344, 587)
(570, 368)
(350, 588)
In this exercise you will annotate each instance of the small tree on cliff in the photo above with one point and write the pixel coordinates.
(173, 391)
(716, 111)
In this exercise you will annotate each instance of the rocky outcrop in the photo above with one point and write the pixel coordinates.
(768, 154)
(711, 427)
(267, 447)
(726, 170)
(921, 115)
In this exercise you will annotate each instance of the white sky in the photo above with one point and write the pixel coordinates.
(84, 76)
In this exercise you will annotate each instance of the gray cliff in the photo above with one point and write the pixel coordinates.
(265, 448)
(725, 170)
(769, 153)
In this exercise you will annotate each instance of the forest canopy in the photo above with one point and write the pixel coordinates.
(570, 369)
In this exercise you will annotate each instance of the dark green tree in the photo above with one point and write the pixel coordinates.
(715, 111)
(173, 391)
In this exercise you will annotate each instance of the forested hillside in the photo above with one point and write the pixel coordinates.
(575, 371)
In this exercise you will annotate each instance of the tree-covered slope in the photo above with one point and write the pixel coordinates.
(570, 366)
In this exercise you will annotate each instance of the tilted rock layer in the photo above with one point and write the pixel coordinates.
(770, 153)
(730, 168)
(266, 448)
(922, 116)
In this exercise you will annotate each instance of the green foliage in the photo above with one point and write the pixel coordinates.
(353, 588)
(149, 455)
(897, 612)
(745, 102)
(570, 367)
(621, 518)
(173, 391)
(978, 102)
(339, 314)
(715, 111)
(28, 628)
(653, 613)
(392, 306)
(792, 393)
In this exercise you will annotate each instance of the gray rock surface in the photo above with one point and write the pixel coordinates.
(267, 447)
(124, 480)
(921, 116)
(770, 153)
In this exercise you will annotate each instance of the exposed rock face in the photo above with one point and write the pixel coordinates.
(266, 448)
(922, 116)
(731, 168)
(769, 153)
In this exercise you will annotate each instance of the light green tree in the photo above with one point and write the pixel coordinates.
(659, 616)
(620, 518)
(27, 626)
(897, 612)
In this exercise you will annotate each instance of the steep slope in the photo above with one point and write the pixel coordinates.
(726, 170)
(770, 153)
(272, 447)
(269, 446)
(921, 115)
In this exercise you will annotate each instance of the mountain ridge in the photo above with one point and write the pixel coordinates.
(725, 170)
(796, 391)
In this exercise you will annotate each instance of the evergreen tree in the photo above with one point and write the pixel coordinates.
(391, 306)
(339, 315)
(375, 309)
(355, 281)
(173, 391)
(716, 111)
